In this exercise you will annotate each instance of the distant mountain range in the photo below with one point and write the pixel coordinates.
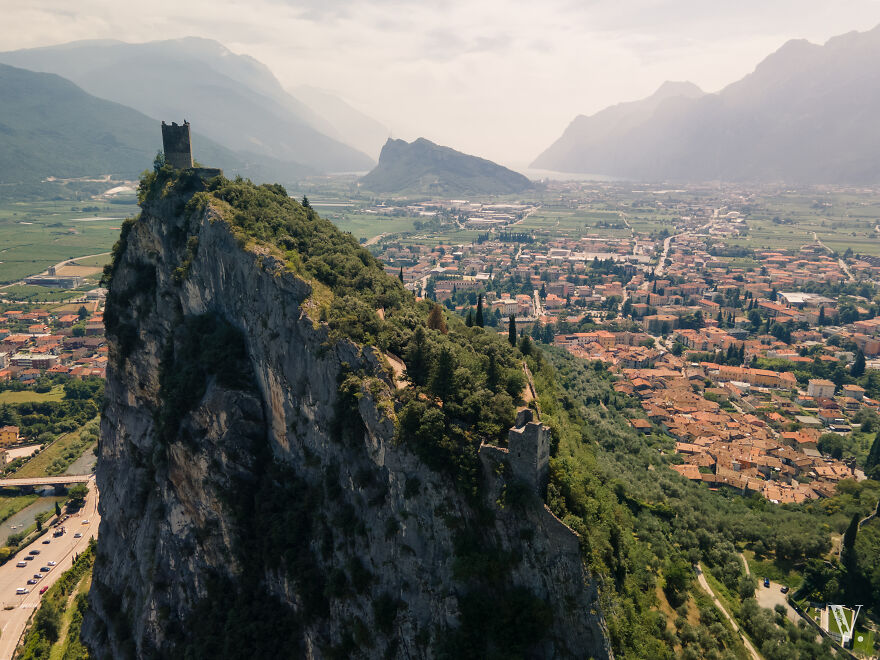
(422, 167)
(232, 99)
(51, 127)
(807, 114)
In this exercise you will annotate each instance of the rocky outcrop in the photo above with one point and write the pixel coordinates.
(246, 495)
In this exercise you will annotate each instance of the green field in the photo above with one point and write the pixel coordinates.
(36, 235)
(866, 645)
(55, 458)
(27, 396)
(368, 225)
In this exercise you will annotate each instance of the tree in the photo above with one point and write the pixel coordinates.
(77, 494)
(479, 319)
(83, 313)
(400, 274)
(872, 462)
(821, 316)
(57, 510)
(469, 319)
(849, 536)
(525, 345)
(436, 320)
(858, 366)
(511, 330)
(305, 203)
(442, 377)
(417, 367)
(159, 161)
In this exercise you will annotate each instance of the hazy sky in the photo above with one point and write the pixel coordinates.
(498, 78)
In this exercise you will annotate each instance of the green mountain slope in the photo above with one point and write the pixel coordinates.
(424, 167)
(49, 127)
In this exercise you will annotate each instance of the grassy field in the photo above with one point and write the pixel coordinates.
(36, 235)
(55, 394)
(55, 458)
(866, 645)
(782, 572)
(9, 506)
(96, 260)
(367, 225)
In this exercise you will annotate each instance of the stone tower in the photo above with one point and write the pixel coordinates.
(528, 446)
(177, 145)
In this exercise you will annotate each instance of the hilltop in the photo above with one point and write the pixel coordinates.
(424, 167)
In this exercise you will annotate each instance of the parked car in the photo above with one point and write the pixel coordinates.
(32, 581)
(86, 522)
(21, 564)
(44, 589)
(766, 582)
(34, 552)
(51, 563)
(78, 535)
(22, 590)
(29, 558)
(37, 576)
(45, 569)
(46, 542)
(784, 590)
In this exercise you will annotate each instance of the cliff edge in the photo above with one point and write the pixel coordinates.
(268, 489)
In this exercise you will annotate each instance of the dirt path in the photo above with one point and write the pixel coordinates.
(705, 585)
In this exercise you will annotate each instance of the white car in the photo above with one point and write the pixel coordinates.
(22, 590)
(22, 564)
(86, 522)
(51, 563)
(78, 535)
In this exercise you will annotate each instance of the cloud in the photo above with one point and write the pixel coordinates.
(500, 78)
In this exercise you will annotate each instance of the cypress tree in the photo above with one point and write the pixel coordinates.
(479, 319)
(511, 331)
(821, 316)
(417, 357)
(469, 319)
(872, 462)
(442, 381)
(400, 274)
(858, 367)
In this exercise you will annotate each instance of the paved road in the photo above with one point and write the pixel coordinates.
(539, 310)
(745, 640)
(60, 550)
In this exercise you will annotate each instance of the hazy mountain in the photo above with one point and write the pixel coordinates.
(232, 99)
(346, 124)
(424, 167)
(807, 113)
(51, 127)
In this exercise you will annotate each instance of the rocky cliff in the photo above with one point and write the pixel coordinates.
(256, 497)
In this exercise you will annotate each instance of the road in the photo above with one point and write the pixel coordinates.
(45, 481)
(375, 239)
(539, 311)
(60, 550)
(745, 640)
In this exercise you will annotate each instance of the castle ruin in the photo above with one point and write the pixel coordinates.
(528, 447)
(177, 146)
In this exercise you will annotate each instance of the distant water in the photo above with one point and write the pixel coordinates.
(25, 517)
(538, 175)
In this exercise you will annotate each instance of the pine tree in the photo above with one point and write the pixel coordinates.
(511, 330)
(479, 319)
(305, 203)
(858, 367)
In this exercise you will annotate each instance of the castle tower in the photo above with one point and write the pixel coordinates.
(528, 444)
(177, 145)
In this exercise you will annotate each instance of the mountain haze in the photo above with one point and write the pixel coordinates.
(424, 167)
(232, 99)
(50, 127)
(806, 114)
(344, 122)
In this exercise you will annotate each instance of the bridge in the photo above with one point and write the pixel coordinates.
(33, 482)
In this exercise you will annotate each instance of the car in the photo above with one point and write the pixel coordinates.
(29, 558)
(51, 563)
(34, 552)
(38, 576)
(78, 535)
(784, 590)
(86, 522)
(44, 569)
(44, 589)
(21, 564)
(32, 581)
(767, 582)
(46, 542)
(22, 590)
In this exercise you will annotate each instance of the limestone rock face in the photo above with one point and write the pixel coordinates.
(280, 487)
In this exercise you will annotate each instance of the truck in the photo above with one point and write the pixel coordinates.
(58, 532)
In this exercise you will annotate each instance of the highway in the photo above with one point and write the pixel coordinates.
(60, 550)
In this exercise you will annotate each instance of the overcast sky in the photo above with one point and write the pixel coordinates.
(497, 78)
